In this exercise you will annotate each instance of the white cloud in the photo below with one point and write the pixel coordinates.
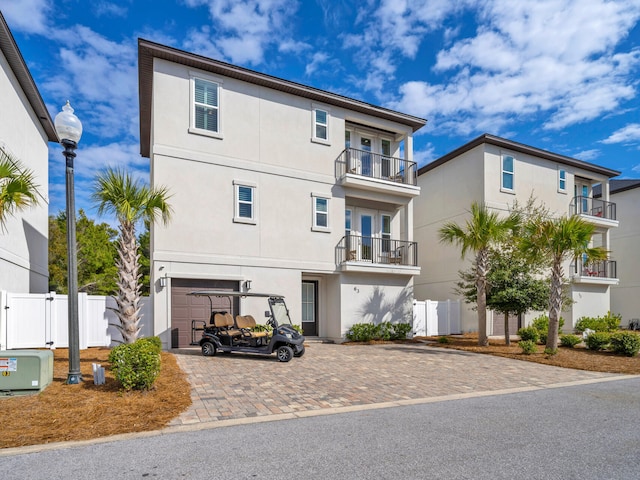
(318, 59)
(29, 16)
(424, 155)
(628, 134)
(588, 155)
(110, 9)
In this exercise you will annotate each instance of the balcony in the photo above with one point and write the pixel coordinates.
(366, 254)
(373, 171)
(594, 210)
(603, 272)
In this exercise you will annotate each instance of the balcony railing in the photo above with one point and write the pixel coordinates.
(375, 165)
(373, 250)
(602, 269)
(593, 207)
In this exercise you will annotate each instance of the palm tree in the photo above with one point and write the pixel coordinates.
(116, 192)
(17, 187)
(559, 240)
(483, 230)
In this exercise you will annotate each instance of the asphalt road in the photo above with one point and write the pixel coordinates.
(579, 432)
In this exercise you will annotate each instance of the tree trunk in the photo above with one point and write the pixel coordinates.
(128, 297)
(555, 305)
(481, 287)
(507, 335)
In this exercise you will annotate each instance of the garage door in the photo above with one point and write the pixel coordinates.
(185, 308)
(515, 322)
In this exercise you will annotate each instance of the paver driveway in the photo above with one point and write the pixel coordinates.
(237, 386)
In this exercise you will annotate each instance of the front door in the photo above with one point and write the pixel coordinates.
(310, 308)
(366, 231)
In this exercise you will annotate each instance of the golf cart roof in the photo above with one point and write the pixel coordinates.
(223, 293)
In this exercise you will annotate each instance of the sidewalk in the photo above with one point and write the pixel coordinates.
(332, 378)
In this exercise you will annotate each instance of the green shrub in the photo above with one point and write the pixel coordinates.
(136, 366)
(570, 340)
(541, 324)
(297, 328)
(626, 343)
(365, 332)
(598, 340)
(550, 351)
(529, 334)
(444, 340)
(543, 338)
(606, 323)
(153, 341)
(528, 346)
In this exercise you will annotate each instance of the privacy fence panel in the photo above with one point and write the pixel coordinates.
(436, 317)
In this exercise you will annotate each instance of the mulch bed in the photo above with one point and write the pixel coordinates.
(78, 412)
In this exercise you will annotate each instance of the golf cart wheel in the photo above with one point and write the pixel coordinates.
(208, 349)
(285, 353)
(300, 353)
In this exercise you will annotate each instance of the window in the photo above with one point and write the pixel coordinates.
(562, 180)
(205, 107)
(385, 160)
(347, 222)
(386, 233)
(320, 213)
(245, 203)
(507, 172)
(320, 120)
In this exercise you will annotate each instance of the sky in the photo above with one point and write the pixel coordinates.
(560, 75)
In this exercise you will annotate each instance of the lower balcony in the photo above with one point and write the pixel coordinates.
(373, 254)
(603, 272)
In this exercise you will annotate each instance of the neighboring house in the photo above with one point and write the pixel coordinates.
(497, 172)
(277, 187)
(25, 130)
(625, 242)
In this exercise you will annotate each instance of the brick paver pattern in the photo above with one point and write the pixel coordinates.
(235, 386)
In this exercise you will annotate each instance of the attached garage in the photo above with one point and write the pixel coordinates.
(187, 308)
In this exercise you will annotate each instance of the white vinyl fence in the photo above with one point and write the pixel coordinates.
(436, 318)
(40, 320)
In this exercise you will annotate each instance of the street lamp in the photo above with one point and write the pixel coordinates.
(69, 130)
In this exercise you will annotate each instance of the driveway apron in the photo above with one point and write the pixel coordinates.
(237, 386)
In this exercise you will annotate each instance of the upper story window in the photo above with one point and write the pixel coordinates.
(320, 121)
(385, 232)
(205, 107)
(245, 202)
(320, 212)
(508, 173)
(562, 180)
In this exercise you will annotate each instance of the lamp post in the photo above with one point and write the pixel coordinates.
(69, 130)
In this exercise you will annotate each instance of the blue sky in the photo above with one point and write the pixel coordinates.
(561, 75)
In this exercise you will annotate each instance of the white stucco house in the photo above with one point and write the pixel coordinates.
(278, 187)
(496, 171)
(25, 130)
(625, 242)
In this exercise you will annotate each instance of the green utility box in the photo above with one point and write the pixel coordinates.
(25, 371)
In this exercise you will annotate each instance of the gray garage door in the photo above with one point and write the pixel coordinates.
(498, 324)
(185, 308)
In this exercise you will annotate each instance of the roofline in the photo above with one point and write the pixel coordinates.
(522, 148)
(19, 68)
(624, 189)
(225, 293)
(148, 50)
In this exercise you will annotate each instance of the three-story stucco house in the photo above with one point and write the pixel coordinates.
(498, 172)
(25, 130)
(625, 241)
(276, 187)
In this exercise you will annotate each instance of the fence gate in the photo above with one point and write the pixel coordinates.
(436, 317)
(30, 321)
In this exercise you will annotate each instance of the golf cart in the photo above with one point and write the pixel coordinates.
(226, 334)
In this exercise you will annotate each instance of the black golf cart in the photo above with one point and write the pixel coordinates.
(241, 334)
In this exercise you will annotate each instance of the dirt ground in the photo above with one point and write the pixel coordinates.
(79, 412)
(578, 358)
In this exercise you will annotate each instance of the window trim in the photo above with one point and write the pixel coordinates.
(314, 138)
(314, 226)
(236, 202)
(512, 173)
(193, 76)
(562, 170)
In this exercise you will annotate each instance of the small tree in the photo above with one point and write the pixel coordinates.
(18, 190)
(130, 201)
(482, 231)
(558, 240)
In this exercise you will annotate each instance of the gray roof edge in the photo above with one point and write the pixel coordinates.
(522, 148)
(147, 50)
(19, 67)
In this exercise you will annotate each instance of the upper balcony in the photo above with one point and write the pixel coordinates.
(604, 272)
(373, 171)
(355, 253)
(598, 212)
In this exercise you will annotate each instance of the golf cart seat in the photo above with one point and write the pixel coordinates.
(224, 324)
(246, 323)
